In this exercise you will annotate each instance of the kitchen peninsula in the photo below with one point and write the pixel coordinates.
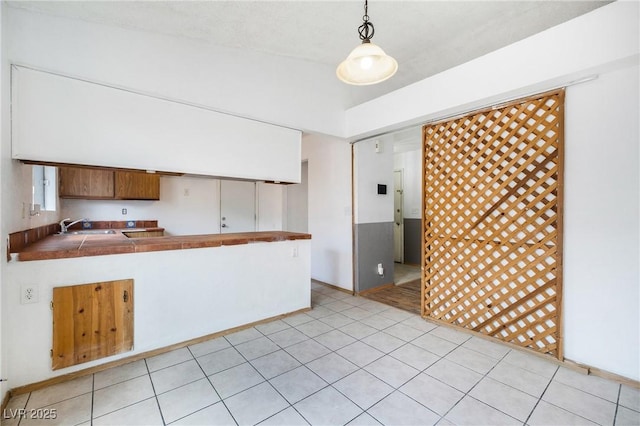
(58, 246)
(186, 287)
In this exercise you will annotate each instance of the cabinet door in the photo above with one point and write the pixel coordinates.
(74, 182)
(79, 182)
(91, 321)
(101, 184)
(137, 186)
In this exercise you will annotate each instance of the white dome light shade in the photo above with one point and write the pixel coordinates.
(366, 64)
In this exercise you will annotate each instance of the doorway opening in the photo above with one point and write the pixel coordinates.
(405, 273)
(407, 222)
(237, 206)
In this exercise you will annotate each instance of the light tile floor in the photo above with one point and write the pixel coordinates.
(350, 360)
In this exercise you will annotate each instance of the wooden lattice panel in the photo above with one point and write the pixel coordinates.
(493, 220)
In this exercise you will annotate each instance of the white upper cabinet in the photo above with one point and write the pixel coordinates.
(65, 120)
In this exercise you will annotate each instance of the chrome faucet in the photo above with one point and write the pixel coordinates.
(64, 228)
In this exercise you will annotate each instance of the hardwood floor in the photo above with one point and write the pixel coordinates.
(404, 296)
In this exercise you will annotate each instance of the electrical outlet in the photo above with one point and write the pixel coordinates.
(294, 252)
(28, 293)
(124, 212)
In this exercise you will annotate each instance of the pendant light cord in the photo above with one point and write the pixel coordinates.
(366, 30)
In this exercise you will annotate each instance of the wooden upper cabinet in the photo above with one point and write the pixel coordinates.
(99, 184)
(77, 182)
(137, 186)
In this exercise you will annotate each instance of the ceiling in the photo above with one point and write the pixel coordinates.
(425, 37)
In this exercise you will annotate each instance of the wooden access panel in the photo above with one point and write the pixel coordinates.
(91, 321)
(492, 222)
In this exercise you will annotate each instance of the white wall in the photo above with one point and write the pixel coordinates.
(297, 203)
(179, 295)
(330, 209)
(4, 112)
(276, 91)
(601, 238)
(409, 163)
(371, 168)
(270, 206)
(188, 205)
(15, 194)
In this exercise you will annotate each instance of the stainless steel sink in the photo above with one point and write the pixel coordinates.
(91, 232)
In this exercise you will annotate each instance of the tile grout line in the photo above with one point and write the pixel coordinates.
(565, 409)
(93, 394)
(586, 393)
(423, 371)
(155, 395)
(267, 380)
(301, 365)
(615, 413)
(508, 385)
(478, 382)
(25, 407)
(435, 378)
(214, 389)
(125, 406)
(405, 343)
(486, 375)
(283, 348)
(332, 351)
(362, 368)
(542, 394)
(562, 408)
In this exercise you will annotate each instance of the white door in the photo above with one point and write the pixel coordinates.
(398, 218)
(237, 206)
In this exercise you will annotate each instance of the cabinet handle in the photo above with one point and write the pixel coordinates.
(125, 296)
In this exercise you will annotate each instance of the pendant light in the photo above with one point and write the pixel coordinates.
(367, 63)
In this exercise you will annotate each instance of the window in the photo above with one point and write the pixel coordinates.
(43, 189)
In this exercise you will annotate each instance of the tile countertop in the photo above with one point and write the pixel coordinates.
(67, 246)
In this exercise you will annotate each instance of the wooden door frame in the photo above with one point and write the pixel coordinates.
(401, 170)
